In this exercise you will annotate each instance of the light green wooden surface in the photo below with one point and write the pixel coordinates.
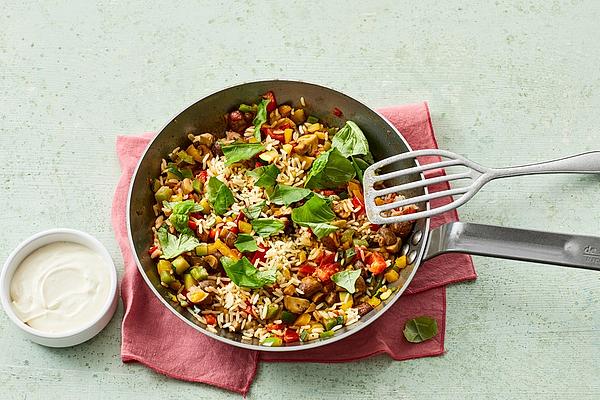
(508, 82)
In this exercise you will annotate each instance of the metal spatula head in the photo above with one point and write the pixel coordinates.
(387, 203)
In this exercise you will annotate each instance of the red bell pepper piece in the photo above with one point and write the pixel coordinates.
(324, 272)
(192, 225)
(210, 319)
(212, 234)
(358, 203)
(326, 257)
(328, 192)
(290, 336)
(337, 112)
(274, 327)
(272, 102)
(270, 132)
(152, 249)
(306, 269)
(196, 215)
(203, 176)
(376, 263)
(259, 255)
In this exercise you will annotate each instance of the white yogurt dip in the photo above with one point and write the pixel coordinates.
(60, 287)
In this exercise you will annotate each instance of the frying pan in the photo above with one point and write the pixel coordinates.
(424, 243)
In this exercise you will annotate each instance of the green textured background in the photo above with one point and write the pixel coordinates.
(508, 82)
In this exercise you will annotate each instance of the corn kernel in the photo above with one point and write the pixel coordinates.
(287, 148)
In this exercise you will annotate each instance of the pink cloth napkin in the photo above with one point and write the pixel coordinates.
(155, 337)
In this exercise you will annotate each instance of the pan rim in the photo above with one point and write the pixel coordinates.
(283, 349)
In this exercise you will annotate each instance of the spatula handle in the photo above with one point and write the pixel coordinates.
(516, 244)
(584, 163)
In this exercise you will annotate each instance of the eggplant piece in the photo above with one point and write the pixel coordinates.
(296, 305)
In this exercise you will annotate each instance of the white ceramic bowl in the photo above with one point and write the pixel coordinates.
(75, 336)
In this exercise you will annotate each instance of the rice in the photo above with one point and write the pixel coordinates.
(256, 313)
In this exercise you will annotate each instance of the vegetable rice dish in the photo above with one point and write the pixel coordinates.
(261, 230)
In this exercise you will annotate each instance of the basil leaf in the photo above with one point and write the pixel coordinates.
(172, 246)
(179, 173)
(329, 171)
(183, 207)
(254, 211)
(350, 140)
(346, 280)
(180, 213)
(219, 196)
(360, 166)
(267, 226)
(265, 176)
(315, 214)
(180, 222)
(185, 157)
(260, 118)
(246, 243)
(243, 273)
(420, 329)
(240, 151)
(286, 195)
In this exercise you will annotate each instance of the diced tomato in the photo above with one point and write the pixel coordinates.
(152, 249)
(249, 310)
(337, 112)
(258, 164)
(274, 327)
(324, 272)
(290, 336)
(306, 269)
(375, 227)
(197, 215)
(210, 319)
(192, 225)
(271, 132)
(203, 176)
(284, 126)
(272, 102)
(376, 263)
(358, 203)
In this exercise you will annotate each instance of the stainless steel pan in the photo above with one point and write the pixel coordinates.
(206, 115)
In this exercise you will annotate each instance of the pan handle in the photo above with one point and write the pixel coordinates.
(515, 244)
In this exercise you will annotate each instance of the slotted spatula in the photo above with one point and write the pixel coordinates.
(476, 174)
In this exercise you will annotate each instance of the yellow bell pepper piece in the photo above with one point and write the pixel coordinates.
(196, 296)
(244, 227)
(374, 301)
(400, 262)
(391, 276)
(346, 300)
(287, 135)
(302, 320)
